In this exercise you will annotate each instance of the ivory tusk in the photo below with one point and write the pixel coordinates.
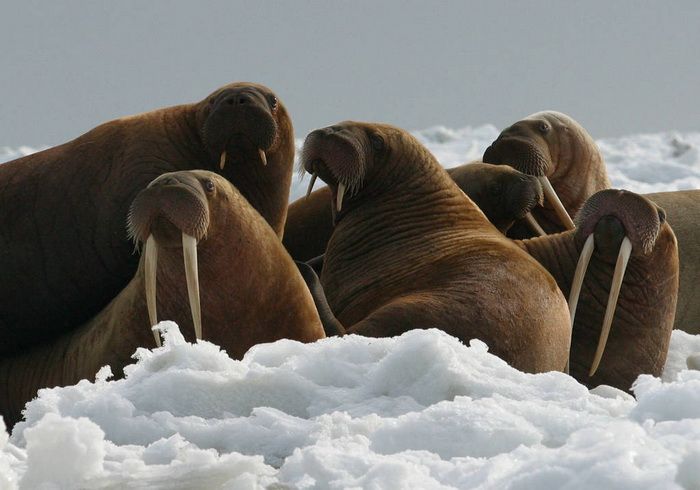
(263, 157)
(577, 282)
(151, 266)
(533, 224)
(314, 176)
(559, 208)
(189, 250)
(339, 197)
(620, 267)
(222, 160)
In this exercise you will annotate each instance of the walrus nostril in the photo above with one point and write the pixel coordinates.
(244, 99)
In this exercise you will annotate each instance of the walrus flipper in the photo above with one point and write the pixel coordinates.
(330, 323)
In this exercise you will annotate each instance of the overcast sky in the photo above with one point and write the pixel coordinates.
(618, 67)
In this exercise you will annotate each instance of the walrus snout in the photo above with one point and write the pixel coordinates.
(520, 153)
(240, 124)
(525, 194)
(337, 154)
(171, 205)
(640, 218)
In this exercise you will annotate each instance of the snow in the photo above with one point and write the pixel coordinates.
(421, 410)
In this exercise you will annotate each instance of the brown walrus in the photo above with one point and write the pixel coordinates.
(501, 192)
(553, 145)
(251, 290)
(411, 250)
(619, 235)
(64, 252)
(556, 148)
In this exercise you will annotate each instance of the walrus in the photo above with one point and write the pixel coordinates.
(556, 148)
(251, 291)
(501, 192)
(553, 145)
(619, 269)
(411, 250)
(64, 252)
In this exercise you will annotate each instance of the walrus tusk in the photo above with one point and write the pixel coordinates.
(533, 224)
(222, 160)
(263, 157)
(581, 267)
(151, 266)
(189, 250)
(559, 208)
(622, 259)
(314, 176)
(339, 197)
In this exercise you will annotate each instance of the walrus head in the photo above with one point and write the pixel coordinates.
(542, 144)
(350, 157)
(617, 224)
(173, 212)
(241, 122)
(501, 192)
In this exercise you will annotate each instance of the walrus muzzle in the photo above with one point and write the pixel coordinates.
(240, 125)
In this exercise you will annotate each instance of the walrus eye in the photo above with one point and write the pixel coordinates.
(209, 185)
(662, 216)
(377, 142)
(544, 128)
(273, 102)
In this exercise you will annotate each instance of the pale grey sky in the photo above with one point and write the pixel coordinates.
(618, 67)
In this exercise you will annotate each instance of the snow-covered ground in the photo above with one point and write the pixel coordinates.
(418, 411)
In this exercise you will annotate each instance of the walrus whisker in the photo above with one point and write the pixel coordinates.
(620, 267)
(534, 225)
(339, 197)
(314, 176)
(222, 160)
(559, 208)
(263, 157)
(151, 266)
(577, 282)
(189, 251)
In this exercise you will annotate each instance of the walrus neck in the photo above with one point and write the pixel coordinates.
(184, 134)
(267, 187)
(557, 253)
(580, 172)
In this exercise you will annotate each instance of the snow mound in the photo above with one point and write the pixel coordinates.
(421, 410)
